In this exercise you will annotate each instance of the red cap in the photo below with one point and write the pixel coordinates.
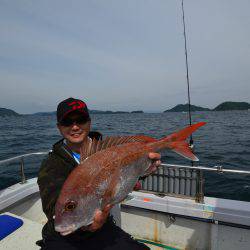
(69, 105)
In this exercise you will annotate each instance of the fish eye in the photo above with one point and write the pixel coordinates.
(69, 206)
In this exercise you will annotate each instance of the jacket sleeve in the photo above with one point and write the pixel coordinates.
(51, 177)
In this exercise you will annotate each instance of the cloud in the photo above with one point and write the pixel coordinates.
(122, 55)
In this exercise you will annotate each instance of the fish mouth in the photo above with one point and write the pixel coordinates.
(65, 231)
(68, 230)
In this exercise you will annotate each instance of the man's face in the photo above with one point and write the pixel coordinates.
(74, 128)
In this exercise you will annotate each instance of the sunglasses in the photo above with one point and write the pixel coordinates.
(69, 122)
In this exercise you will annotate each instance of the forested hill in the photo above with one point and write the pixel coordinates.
(185, 108)
(221, 107)
(232, 106)
(8, 112)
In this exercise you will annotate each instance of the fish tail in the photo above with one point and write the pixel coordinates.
(177, 142)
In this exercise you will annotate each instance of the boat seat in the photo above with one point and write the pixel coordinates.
(8, 224)
(23, 237)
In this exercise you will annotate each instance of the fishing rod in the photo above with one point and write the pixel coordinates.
(191, 142)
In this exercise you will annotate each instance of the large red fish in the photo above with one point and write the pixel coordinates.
(108, 171)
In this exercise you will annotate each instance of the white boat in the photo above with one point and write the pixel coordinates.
(161, 220)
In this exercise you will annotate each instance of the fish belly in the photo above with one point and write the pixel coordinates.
(128, 177)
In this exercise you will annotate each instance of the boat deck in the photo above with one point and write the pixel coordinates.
(160, 222)
(26, 235)
(30, 232)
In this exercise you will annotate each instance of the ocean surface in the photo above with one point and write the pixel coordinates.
(224, 140)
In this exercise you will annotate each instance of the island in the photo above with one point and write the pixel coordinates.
(107, 112)
(185, 108)
(137, 112)
(94, 111)
(232, 106)
(45, 113)
(8, 112)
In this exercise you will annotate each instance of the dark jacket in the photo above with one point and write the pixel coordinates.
(52, 174)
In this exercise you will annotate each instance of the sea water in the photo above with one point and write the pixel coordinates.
(224, 140)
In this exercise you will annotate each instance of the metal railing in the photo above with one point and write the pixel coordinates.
(219, 169)
(21, 158)
(182, 180)
(170, 179)
(175, 181)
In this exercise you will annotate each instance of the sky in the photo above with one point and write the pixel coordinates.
(122, 54)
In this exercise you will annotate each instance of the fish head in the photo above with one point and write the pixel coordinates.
(74, 211)
(67, 214)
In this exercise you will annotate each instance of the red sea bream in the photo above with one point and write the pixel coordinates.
(108, 171)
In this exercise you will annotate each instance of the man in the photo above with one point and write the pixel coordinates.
(73, 122)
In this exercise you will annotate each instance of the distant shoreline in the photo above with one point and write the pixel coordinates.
(225, 106)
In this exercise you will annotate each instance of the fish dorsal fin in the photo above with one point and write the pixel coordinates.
(90, 147)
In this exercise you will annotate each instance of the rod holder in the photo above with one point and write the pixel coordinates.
(199, 197)
(23, 178)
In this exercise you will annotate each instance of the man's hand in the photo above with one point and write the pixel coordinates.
(99, 219)
(155, 157)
